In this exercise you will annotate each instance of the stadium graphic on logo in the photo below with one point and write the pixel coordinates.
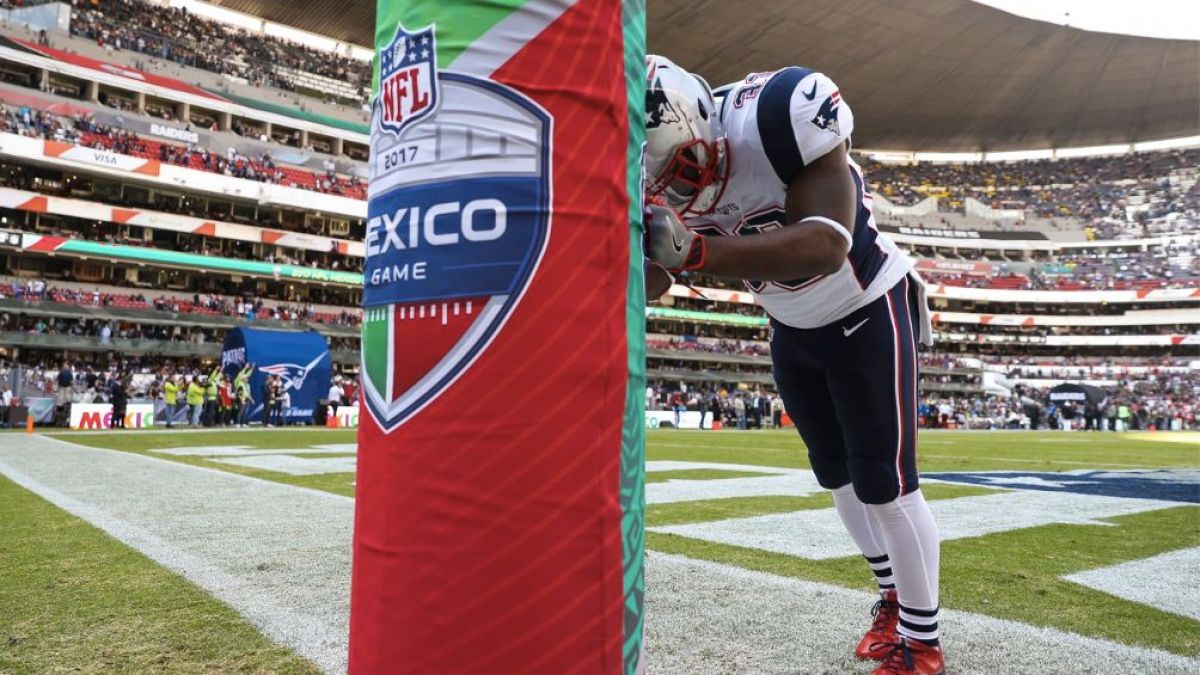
(458, 220)
(408, 86)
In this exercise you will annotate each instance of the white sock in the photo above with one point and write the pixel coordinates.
(862, 529)
(911, 539)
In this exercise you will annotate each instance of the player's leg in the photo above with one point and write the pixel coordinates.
(874, 386)
(807, 400)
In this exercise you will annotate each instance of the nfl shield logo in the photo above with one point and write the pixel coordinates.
(457, 222)
(408, 86)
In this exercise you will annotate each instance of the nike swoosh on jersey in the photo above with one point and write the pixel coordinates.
(812, 93)
(850, 331)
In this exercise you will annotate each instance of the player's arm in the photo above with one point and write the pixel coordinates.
(812, 245)
(806, 127)
(821, 192)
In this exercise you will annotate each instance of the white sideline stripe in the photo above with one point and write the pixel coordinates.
(704, 617)
(1168, 581)
(818, 534)
(216, 529)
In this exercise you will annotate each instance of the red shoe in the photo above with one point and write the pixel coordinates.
(912, 658)
(881, 637)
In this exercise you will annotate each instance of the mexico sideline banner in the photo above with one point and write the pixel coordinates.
(499, 518)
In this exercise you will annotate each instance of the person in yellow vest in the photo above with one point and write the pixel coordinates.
(195, 400)
(171, 398)
(211, 394)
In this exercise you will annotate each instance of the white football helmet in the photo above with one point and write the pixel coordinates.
(687, 155)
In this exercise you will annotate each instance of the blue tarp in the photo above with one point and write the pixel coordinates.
(300, 359)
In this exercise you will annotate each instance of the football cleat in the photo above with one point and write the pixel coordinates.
(881, 636)
(912, 657)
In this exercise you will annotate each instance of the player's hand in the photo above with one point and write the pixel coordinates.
(658, 280)
(670, 243)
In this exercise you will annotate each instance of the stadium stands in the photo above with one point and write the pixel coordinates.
(1153, 183)
(83, 131)
(175, 35)
(1122, 290)
(1089, 260)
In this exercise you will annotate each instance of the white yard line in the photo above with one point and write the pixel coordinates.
(818, 534)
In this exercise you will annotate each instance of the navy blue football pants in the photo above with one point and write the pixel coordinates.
(851, 389)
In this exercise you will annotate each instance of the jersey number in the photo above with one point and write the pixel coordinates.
(766, 221)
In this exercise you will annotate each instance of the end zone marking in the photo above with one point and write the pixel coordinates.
(818, 534)
(1167, 581)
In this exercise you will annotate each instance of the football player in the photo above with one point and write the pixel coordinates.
(756, 183)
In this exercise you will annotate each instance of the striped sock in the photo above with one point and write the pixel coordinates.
(882, 567)
(919, 624)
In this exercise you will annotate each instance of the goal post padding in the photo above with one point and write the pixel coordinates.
(500, 486)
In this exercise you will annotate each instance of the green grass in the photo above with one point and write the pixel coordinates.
(699, 474)
(73, 599)
(1014, 575)
(937, 451)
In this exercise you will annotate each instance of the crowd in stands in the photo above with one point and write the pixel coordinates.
(191, 394)
(83, 130)
(1084, 187)
(720, 405)
(1141, 403)
(105, 330)
(246, 306)
(692, 344)
(1000, 329)
(23, 177)
(174, 34)
(1136, 403)
(1175, 264)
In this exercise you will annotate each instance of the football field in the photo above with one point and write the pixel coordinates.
(218, 551)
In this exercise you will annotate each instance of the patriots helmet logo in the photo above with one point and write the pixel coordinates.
(292, 375)
(658, 108)
(408, 84)
(827, 116)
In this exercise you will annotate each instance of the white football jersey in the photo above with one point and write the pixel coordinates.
(776, 124)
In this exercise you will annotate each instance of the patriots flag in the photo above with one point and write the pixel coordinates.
(301, 361)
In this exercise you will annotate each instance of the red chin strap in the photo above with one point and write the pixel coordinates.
(683, 162)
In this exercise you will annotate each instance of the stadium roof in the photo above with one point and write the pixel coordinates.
(944, 75)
